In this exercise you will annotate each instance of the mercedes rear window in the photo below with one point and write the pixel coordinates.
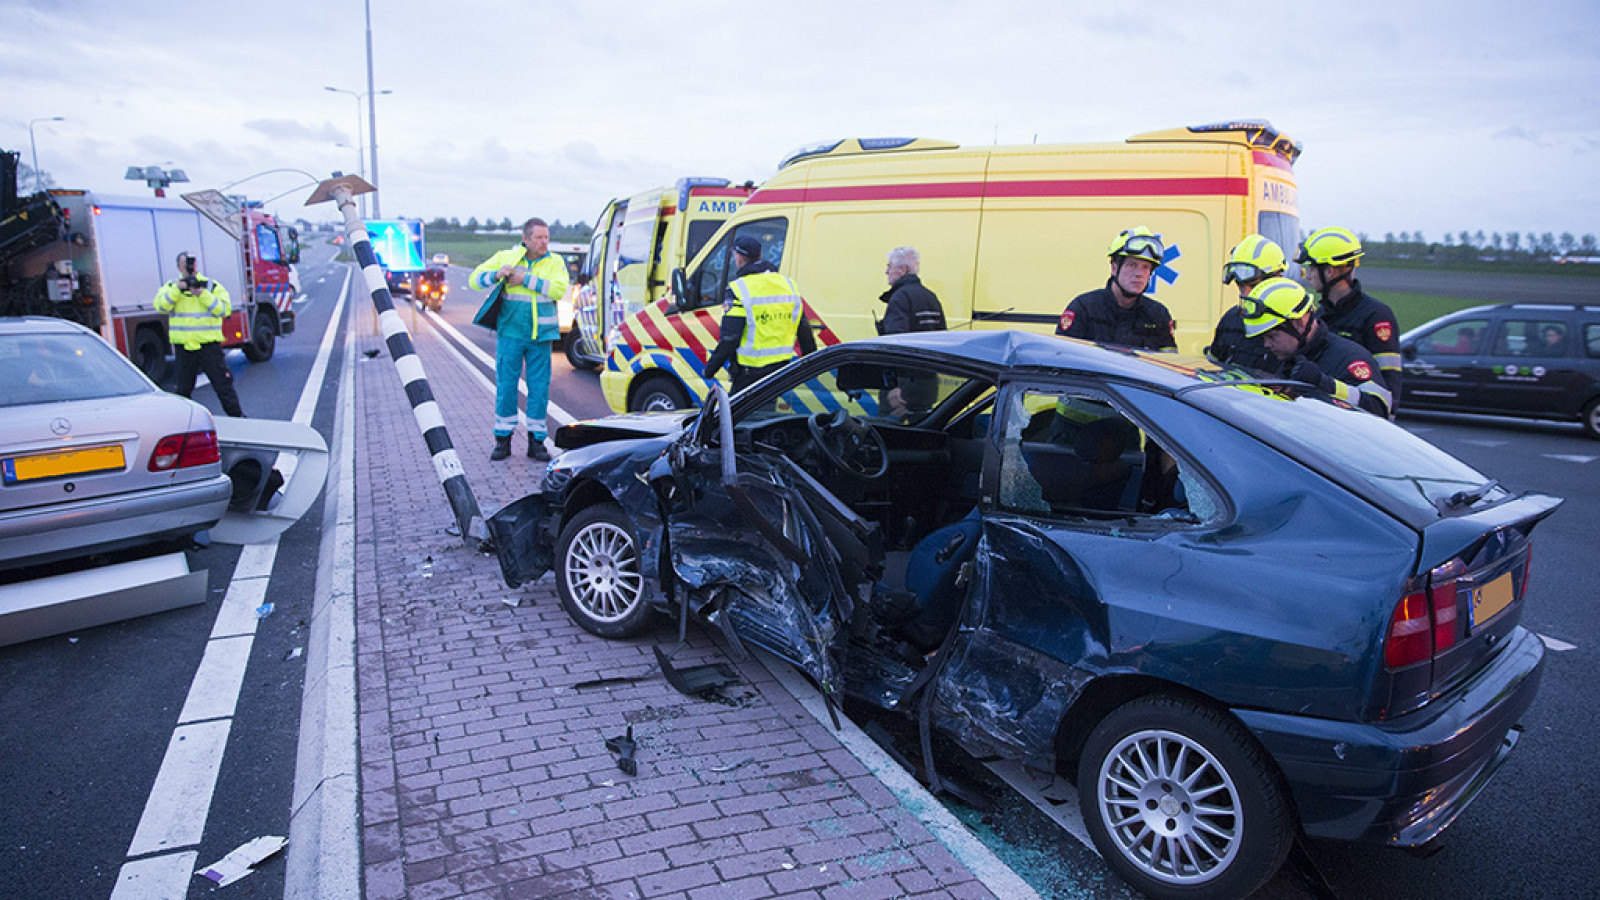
(58, 367)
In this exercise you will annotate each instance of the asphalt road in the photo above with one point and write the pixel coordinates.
(88, 716)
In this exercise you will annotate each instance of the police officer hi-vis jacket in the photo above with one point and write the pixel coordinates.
(763, 316)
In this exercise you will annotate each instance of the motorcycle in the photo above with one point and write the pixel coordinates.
(431, 289)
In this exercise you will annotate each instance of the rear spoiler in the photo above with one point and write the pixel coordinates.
(1462, 535)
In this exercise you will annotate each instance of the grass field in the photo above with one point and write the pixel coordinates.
(469, 249)
(1414, 309)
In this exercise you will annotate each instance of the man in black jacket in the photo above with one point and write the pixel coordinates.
(909, 307)
(1120, 312)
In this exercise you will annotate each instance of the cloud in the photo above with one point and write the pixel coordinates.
(1517, 133)
(294, 130)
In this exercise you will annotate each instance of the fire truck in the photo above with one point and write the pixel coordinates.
(99, 260)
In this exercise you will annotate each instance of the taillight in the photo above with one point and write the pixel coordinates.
(182, 451)
(1424, 623)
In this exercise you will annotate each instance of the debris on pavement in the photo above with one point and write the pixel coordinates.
(624, 747)
(237, 864)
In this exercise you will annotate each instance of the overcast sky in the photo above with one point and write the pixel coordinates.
(1414, 114)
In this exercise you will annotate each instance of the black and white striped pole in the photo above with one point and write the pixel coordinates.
(446, 463)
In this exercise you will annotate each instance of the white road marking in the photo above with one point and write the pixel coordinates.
(1556, 643)
(1052, 795)
(1571, 457)
(1481, 442)
(156, 878)
(180, 800)
(175, 815)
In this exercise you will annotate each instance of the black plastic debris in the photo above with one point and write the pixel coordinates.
(624, 747)
(693, 681)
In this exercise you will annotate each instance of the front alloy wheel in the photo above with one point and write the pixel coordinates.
(1181, 802)
(598, 576)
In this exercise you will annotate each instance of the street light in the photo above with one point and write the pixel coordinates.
(361, 168)
(38, 181)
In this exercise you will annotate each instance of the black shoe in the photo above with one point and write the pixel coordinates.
(536, 450)
(502, 448)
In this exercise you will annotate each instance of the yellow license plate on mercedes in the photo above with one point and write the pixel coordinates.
(42, 466)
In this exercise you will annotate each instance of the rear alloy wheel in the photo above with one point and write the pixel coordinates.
(263, 339)
(659, 395)
(598, 576)
(1591, 418)
(1181, 802)
(569, 343)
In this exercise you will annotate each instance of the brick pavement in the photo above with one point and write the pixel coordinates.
(484, 771)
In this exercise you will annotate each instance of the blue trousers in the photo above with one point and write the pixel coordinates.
(512, 358)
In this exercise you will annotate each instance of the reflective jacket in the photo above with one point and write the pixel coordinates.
(771, 303)
(1229, 345)
(529, 308)
(194, 319)
(1355, 374)
(1097, 316)
(1369, 322)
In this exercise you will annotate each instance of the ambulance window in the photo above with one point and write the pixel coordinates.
(700, 231)
(713, 275)
(1284, 230)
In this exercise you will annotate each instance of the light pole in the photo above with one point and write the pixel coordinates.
(38, 180)
(361, 168)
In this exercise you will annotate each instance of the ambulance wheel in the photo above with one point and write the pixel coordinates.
(574, 359)
(598, 575)
(659, 394)
(150, 354)
(263, 339)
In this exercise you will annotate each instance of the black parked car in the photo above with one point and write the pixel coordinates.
(1181, 588)
(1530, 360)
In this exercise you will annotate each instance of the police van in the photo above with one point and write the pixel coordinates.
(1008, 236)
(636, 244)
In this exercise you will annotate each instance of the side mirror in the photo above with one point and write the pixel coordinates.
(680, 288)
(1409, 351)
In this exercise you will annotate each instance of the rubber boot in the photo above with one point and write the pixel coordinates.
(502, 448)
(536, 450)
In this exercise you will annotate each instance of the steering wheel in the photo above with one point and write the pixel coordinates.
(851, 444)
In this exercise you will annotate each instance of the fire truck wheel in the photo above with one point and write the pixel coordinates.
(150, 354)
(263, 340)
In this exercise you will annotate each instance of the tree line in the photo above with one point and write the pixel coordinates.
(577, 233)
(1476, 246)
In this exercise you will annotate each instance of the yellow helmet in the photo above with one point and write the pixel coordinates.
(1272, 303)
(1253, 259)
(1330, 247)
(1138, 243)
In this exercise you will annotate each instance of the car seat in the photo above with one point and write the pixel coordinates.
(933, 579)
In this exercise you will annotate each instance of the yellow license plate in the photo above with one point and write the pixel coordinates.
(1489, 600)
(41, 466)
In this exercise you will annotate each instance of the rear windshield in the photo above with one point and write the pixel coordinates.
(51, 368)
(1392, 468)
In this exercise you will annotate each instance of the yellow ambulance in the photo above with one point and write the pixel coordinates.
(636, 244)
(1008, 236)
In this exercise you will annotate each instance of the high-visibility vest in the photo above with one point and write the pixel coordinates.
(194, 319)
(529, 309)
(771, 306)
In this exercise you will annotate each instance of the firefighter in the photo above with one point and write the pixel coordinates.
(1252, 261)
(1283, 316)
(195, 307)
(1330, 257)
(763, 315)
(534, 280)
(1120, 312)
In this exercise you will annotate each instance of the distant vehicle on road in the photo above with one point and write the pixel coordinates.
(1153, 575)
(1527, 360)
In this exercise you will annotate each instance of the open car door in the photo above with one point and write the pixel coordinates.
(759, 547)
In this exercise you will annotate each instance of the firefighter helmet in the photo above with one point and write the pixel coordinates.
(1272, 303)
(1330, 247)
(1253, 259)
(1138, 243)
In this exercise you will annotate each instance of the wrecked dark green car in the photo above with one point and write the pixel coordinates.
(1233, 612)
